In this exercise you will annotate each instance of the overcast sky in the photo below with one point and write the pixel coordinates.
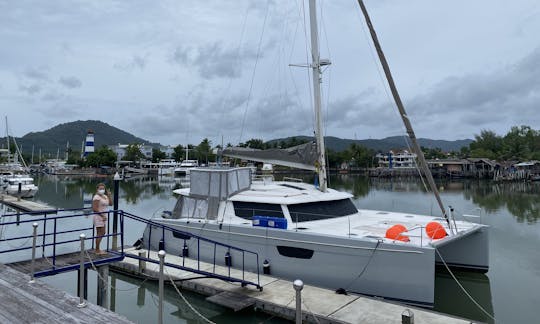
(179, 71)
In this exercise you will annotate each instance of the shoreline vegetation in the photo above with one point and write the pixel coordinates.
(488, 156)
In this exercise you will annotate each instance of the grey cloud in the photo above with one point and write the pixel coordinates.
(52, 96)
(136, 62)
(488, 93)
(213, 60)
(31, 89)
(70, 82)
(36, 74)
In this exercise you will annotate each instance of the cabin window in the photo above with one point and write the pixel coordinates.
(188, 207)
(247, 210)
(295, 252)
(321, 210)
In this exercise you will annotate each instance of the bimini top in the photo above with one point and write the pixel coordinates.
(219, 183)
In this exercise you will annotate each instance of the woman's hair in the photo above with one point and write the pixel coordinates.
(100, 184)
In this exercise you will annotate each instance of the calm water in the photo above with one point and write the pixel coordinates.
(509, 291)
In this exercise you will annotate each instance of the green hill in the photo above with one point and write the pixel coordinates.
(385, 144)
(55, 139)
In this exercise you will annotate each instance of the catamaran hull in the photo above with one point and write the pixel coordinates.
(369, 267)
(465, 251)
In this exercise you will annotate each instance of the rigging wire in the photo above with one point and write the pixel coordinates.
(226, 93)
(254, 70)
(388, 97)
(463, 288)
(300, 102)
(308, 50)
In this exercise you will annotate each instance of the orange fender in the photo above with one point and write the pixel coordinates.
(435, 230)
(394, 233)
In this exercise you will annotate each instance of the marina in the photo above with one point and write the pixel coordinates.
(144, 195)
(251, 289)
(271, 210)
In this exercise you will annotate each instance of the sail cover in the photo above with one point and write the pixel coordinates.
(301, 156)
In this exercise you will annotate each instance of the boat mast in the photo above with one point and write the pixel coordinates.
(7, 141)
(421, 159)
(316, 74)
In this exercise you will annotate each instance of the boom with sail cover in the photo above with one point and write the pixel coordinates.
(302, 156)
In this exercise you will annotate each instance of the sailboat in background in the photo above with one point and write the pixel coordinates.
(315, 233)
(186, 165)
(14, 178)
(14, 162)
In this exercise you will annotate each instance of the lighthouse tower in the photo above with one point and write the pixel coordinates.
(89, 143)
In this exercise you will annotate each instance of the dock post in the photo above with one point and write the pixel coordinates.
(32, 265)
(161, 254)
(115, 213)
(113, 293)
(142, 263)
(298, 285)
(141, 295)
(102, 285)
(82, 303)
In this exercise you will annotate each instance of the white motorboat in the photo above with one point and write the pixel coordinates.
(21, 186)
(185, 167)
(164, 167)
(315, 233)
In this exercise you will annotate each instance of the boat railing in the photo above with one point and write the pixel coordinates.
(183, 236)
(58, 235)
(263, 178)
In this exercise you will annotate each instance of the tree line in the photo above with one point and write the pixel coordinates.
(520, 143)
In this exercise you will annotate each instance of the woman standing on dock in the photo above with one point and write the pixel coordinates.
(100, 202)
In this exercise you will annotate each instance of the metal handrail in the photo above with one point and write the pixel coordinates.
(117, 255)
(199, 239)
(54, 234)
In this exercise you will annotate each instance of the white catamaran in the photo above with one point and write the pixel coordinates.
(315, 233)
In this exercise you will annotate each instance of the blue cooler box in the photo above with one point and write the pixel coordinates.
(272, 222)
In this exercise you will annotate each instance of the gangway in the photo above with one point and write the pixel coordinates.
(57, 237)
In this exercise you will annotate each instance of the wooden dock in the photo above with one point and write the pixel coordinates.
(278, 296)
(25, 302)
(61, 261)
(25, 205)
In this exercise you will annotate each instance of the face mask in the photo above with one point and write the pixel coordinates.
(101, 191)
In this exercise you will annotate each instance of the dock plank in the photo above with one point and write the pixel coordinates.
(25, 205)
(232, 300)
(25, 302)
(46, 263)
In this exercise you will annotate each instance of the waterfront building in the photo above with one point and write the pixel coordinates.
(168, 150)
(120, 150)
(400, 160)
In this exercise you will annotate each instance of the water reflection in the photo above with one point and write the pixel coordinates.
(139, 302)
(522, 199)
(450, 298)
(75, 191)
